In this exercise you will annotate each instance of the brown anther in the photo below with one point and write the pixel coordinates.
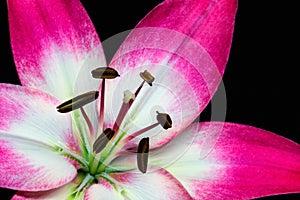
(143, 154)
(78, 102)
(164, 119)
(147, 77)
(103, 139)
(105, 73)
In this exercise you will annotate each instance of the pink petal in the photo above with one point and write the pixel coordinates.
(104, 190)
(31, 114)
(245, 162)
(135, 185)
(55, 46)
(187, 29)
(30, 166)
(209, 22)
(31, 130)
(178, 40)
(176, 98)
(60, 193)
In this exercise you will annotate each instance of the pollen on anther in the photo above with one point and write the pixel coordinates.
(143, 154)
(164, 119)
(103, 140)
(105, 73)
(147, 77)
(77, 102)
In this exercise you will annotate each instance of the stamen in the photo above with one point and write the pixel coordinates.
(129, 99)
(164, 119)
(139, 89)
(101, 112)
(103, 140)
(147, 77)
(105, 73)
(143, 154)
(136, 93)
(130, 137)
(88, 122)
(78, 102)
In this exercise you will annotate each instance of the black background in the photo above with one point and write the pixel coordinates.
(261, 81)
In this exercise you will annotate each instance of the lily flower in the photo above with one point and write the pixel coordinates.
(78, 128)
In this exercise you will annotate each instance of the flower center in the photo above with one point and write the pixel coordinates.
(110, 141)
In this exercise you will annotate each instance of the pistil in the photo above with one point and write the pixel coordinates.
(128, 98)
(128, 101)
(106, 141)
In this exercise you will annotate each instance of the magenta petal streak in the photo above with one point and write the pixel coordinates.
(51, 40)
(192, 26)
(246, 162)
(209, 22)
(193, 43)
(29, 133)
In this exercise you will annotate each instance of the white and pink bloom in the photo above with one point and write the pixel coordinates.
(185, 45)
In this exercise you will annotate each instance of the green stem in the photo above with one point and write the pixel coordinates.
(88, 179)
(108, 153)
(94, 163)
